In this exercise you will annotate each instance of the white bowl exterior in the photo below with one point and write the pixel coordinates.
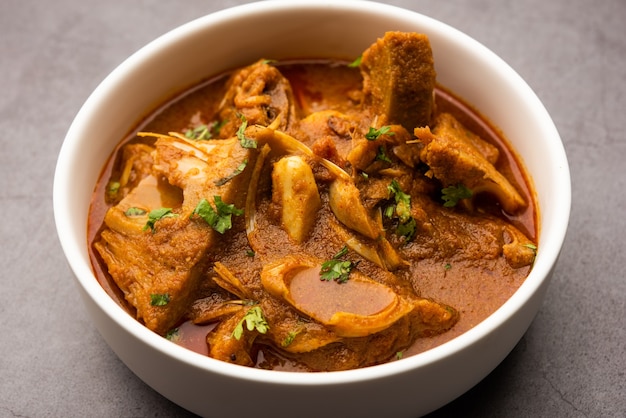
(305, 29)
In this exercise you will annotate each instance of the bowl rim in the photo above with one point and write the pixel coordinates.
(546, 256)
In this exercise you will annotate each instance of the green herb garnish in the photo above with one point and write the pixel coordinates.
(157, 299)
(220, 218)
(403, 201)
(216, 127)
(452, 194)
(389, 211)
(200, 132)
(244, 141)
(373, 133)
(289, 338)
(407, 229)
(381, 155)
(232, 175)
(130, 212)
(356, 62)
(402, 209)
(157, 214)
(113, 187)
(172, 335)
(531, 246)
(204, 132)
(254, 320)
(336, 268)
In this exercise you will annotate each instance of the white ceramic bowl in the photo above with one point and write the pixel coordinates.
(293, 29)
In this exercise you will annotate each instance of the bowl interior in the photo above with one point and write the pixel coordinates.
(285, 29)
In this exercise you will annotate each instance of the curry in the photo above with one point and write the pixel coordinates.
(314, 215)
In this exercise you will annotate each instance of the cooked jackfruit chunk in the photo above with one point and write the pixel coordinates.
(164, 262)
(453, 161)
(399, 79)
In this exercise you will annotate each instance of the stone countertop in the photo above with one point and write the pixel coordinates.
(571, 361)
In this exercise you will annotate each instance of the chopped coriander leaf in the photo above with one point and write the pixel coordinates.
(157, 214)
(172, 335)
(250, 253)
(531, 246)
(373, 134)
(113, 187)
(289, 338)
(269, 61)
(407, 229)
(399, 355)
(204, 132)
(200, 132)
(403, 201)
(232, 175)
(381, 155)
(216, 127)
(389, 211)
(254, 320)
(244, 141)
(341, 253)
(220, 218)
(452, 194)
(447, 266)
(336, 268)
(407, 226)
(157, 299)
(365, 175)
(130, 212)
(356, 63)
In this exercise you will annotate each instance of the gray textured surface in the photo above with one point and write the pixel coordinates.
(570, 363)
